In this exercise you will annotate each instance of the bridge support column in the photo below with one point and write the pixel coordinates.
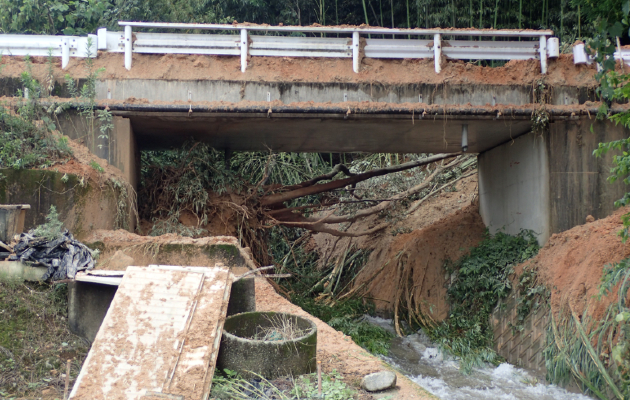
(514, 187)
(123, 150)
(551, 182)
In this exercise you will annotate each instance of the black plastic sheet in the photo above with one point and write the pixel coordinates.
(63, 256)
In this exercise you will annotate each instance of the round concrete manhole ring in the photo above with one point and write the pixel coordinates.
(268, 344)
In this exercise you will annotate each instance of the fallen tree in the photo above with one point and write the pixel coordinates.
(199, 180)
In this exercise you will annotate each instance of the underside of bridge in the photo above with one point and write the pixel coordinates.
(324, 131)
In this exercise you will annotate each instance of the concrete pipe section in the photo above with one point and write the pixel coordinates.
(268, 344)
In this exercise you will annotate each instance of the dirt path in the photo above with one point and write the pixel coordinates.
(338, 351)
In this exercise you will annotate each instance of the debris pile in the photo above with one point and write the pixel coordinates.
(63, 256)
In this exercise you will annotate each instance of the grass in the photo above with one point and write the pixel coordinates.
(228, 385)
(35, 342)
(283, 327)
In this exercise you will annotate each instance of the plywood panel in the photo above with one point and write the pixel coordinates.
(163, 324)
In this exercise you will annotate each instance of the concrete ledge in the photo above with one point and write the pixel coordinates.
(11, 271)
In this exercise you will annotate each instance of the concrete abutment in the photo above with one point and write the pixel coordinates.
(549, 183)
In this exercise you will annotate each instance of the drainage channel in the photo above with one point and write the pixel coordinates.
(420, 360)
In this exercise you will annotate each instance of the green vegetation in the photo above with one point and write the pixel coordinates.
(306, 291)
(594, 352)
(532, 295)
(569, 18)
(479, 281)
(35, 342)
(52, 228)
(228, 385)
(26, 131)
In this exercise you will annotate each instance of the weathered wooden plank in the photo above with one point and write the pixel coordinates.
(160, 328)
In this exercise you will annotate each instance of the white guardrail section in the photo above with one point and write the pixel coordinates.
(246, 44)
(580, 56)
(44, 45)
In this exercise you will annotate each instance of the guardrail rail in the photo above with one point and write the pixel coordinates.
(358, 43)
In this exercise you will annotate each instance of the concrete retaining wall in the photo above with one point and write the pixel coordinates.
(549, 183)
(81, 207)
(525, 348)
(119, 148)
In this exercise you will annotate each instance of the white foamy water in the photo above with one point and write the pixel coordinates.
(424, 364)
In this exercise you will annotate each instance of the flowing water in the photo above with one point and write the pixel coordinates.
(422, 362)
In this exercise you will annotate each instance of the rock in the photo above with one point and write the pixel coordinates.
(589, 219)
(379, 381)
(120, 261)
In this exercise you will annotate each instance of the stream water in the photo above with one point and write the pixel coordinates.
(422, 362)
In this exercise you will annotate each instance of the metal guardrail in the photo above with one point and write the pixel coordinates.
(44, 45)
(246, 44)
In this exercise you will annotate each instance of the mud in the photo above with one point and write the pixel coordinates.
(446, 226)
(561, 71)
(571, 263)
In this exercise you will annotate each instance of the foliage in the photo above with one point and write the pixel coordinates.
(35, 341)
(26, 135)
(530, 295)
(178, 180)
(85, 97)
(595, 352)
(52, 228)
(53, 16)
(79, 17)
(371, 337)
(333, 387)
(229, 385)
(479, 281)
(96, 166)
(620, 87)
(346, 316)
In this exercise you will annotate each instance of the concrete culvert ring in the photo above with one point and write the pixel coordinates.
(268, 344)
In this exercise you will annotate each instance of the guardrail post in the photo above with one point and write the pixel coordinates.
(244, 49)
(101, 39)
(65, 53)
(128, 47)
(543, 54)
(437, 52)
(355, 52)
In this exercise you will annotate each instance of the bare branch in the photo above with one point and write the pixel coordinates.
(279, 198)
(338, 168)
(335, 219)
(422, 200)
(324, 229)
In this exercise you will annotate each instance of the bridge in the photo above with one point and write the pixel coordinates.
(345, 89)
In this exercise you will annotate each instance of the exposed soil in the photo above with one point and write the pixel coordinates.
(336, 350)
(446, 226)
(561, 71)
(83, 162)
(571, 263)
(120, 249)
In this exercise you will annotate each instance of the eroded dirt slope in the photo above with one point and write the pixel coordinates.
(444, 227)
(571, 263)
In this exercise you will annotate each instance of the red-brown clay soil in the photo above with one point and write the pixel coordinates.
(571, 263)
(336, 350)
(446, 226)
(561, 71)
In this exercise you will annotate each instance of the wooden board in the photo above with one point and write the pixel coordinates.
(164, 325)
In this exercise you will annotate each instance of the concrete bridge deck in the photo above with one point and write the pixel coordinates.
(547, 182)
